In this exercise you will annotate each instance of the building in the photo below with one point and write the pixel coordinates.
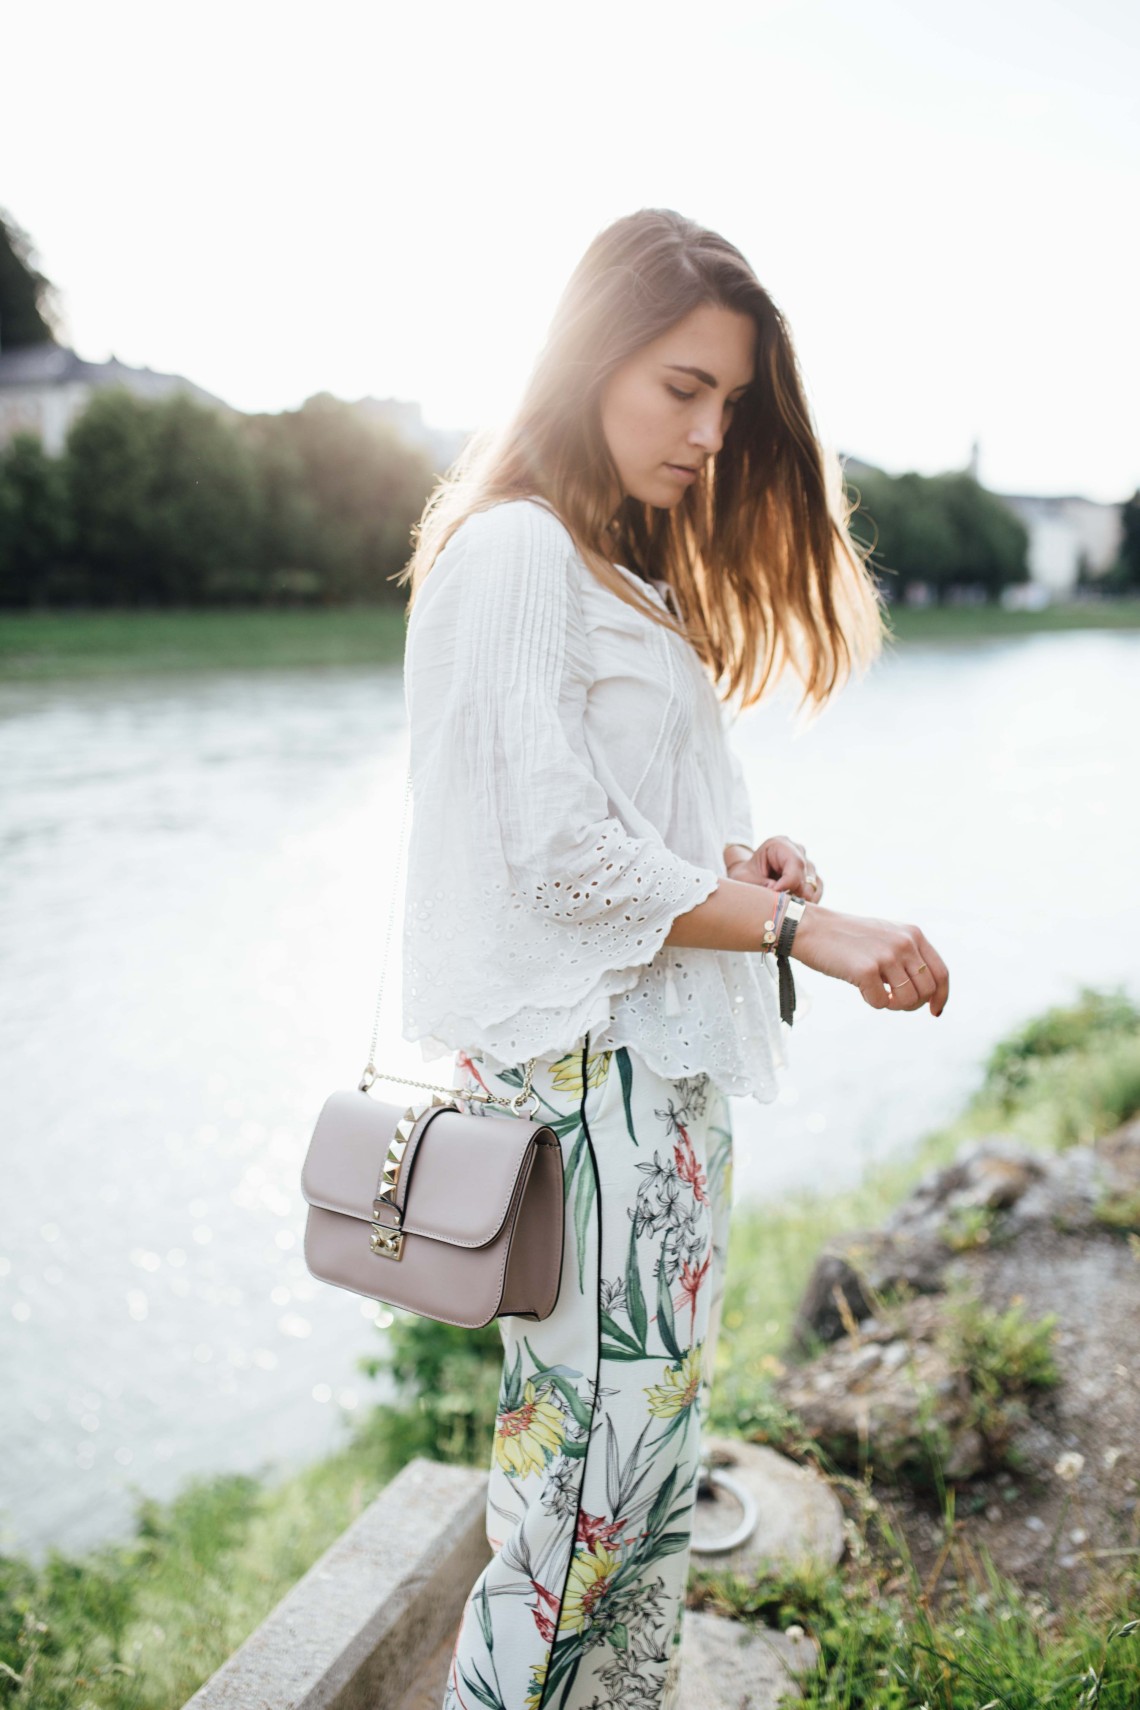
(44, 387)
(1064, 535)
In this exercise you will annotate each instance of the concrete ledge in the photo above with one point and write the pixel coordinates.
(356, 1632)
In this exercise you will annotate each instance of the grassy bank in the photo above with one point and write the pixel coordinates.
(138, 1625)
(49, 645)
(101, 644)
(979, 623)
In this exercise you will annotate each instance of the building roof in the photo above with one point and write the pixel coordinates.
(52, 364)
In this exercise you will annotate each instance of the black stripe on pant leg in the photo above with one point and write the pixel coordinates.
(597, 1381)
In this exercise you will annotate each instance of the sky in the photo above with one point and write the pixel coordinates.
(276, 200)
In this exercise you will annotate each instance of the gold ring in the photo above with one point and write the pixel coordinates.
(904, 981)
(920, 967)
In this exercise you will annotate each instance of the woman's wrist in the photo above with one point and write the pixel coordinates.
(814, 916)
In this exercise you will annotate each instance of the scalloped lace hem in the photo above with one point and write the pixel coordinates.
(534, 1031)
(727, 1024)
(533, 1023)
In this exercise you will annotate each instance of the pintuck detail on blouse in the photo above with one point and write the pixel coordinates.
(573, 788)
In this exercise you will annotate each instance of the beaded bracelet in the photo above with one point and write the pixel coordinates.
(777, 935)
(772, 927)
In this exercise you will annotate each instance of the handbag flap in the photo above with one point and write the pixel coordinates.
(463, 1171)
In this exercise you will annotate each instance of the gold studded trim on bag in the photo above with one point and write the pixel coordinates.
(388, 1239)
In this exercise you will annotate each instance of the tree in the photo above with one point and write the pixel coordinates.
(288, 517)
(169, 502)
(1127, 568)
(945, 530)
(366, 487)
(987, 546)
(29, 312)
(163, 495)
(203, 500)
(35, 523)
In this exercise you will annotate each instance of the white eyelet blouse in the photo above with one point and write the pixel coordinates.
(573, 790)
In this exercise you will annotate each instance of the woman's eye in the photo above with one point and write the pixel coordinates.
(730, 403)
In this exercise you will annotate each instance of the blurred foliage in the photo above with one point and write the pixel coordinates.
(1124, 577)
(1095, 1018)
(446, 1382)
(139, 1624)
(162, 494)
(169, 502)
(945, 530)
(29, 312)
(35, 519)
(352, 487)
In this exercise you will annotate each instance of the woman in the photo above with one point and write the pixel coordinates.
(586, 909)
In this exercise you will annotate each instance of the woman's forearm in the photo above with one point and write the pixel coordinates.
(732, 918)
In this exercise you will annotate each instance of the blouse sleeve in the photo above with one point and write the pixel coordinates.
(529, 903)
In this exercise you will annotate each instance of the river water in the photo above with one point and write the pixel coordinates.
(195, 895)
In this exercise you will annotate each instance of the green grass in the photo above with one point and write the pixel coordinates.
(977, 623)
(138, 1625)
(47, 645)
(883, 1648)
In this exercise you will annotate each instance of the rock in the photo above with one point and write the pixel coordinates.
(889, 1397)
(990, 1174)
(728, 1666)
(1064, 1195)
(800, 1521)
(849, 1274)
(1119, 1154)
(1050, 1232)
(994, 1191)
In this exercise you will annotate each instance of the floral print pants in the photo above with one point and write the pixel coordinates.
(597, 1434)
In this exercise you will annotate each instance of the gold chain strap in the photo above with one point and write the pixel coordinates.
(372, 1073)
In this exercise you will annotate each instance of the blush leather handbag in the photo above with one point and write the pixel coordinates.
(450, 1207)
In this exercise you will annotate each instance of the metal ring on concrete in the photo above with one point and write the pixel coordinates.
(740, 1533)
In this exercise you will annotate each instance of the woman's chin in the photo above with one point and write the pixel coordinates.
(661, 491)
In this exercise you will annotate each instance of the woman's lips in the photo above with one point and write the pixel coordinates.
(680, 470)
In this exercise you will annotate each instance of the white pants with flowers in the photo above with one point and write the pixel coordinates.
(597, 1434)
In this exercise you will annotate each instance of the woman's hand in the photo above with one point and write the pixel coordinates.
(782, 865)
(894, 967)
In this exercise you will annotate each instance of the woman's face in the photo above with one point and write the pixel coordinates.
(669, 406)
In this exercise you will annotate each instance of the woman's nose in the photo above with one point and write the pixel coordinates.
(707, 431)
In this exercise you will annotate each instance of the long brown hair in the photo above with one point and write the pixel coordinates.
(757, 551)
